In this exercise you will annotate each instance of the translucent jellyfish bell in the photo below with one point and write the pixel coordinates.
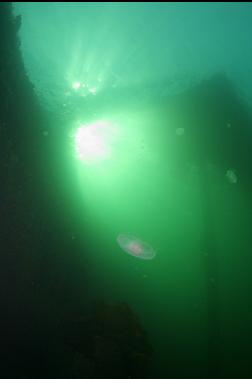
(135, 247)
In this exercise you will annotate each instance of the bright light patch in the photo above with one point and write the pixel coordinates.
(91, 142)
(76, 85)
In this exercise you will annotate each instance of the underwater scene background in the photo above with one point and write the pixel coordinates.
(126, 177)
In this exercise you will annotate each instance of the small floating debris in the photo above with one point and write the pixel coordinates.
(180, 131)
(93, 90)
(231, 176)
(212, 281)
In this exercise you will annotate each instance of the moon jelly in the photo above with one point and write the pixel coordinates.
(135, 247)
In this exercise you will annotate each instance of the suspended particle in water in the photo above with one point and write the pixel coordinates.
(135, 247)
(231, 176)
(212, 280)
(180, 131)
(93, 90)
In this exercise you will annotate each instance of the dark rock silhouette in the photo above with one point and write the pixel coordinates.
(110, 343)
